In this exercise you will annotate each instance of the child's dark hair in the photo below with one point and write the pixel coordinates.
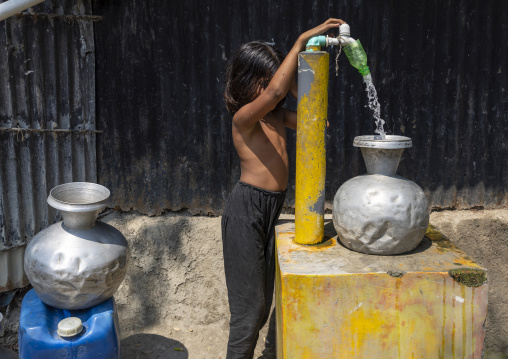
(251, 69)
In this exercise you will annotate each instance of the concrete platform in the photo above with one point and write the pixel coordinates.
(336, 303)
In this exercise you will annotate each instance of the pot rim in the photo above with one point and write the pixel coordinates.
(389, 142)
(98, 199)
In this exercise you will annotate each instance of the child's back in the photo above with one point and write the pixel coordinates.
(262, 152)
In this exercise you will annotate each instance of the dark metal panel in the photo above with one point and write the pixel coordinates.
(437, 66)
(47, 114)
(159, 100)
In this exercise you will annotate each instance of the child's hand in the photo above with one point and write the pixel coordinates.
(318, 30)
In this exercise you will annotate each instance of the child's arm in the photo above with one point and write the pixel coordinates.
(248, 115)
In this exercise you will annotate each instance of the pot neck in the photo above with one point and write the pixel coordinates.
(79, 220)
(79, 203)
(382, 161)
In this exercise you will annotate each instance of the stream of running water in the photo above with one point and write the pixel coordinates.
(374, 106)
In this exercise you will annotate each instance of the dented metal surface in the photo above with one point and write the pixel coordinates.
(80, 262)
(47, 118)
(381, 212)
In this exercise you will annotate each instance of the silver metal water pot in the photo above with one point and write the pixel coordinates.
(381, 212)
(79, 262)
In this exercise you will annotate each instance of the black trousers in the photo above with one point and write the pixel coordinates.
(248, 238)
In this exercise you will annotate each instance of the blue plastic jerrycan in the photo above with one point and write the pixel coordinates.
(47, 332)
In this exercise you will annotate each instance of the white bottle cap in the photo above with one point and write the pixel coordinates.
(70, 327)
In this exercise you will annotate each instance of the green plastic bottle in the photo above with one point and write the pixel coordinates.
(357, 57)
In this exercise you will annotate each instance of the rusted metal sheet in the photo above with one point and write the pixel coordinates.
(47, 118)
(438, 67)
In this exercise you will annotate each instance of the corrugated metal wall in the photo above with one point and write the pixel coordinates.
(47, 119)
(439, 68)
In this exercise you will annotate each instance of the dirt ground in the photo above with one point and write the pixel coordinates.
(173, 302)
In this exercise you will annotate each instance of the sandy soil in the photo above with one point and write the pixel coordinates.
(173, 302)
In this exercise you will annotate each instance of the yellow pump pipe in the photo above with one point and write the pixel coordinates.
(312, 113)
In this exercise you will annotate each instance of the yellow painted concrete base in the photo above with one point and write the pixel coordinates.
(335, 303)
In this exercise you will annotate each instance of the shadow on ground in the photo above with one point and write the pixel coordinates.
(152, 346)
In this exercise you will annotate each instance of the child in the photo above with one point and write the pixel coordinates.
(257, 82)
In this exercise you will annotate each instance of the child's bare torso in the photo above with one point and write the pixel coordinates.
(263, 154)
